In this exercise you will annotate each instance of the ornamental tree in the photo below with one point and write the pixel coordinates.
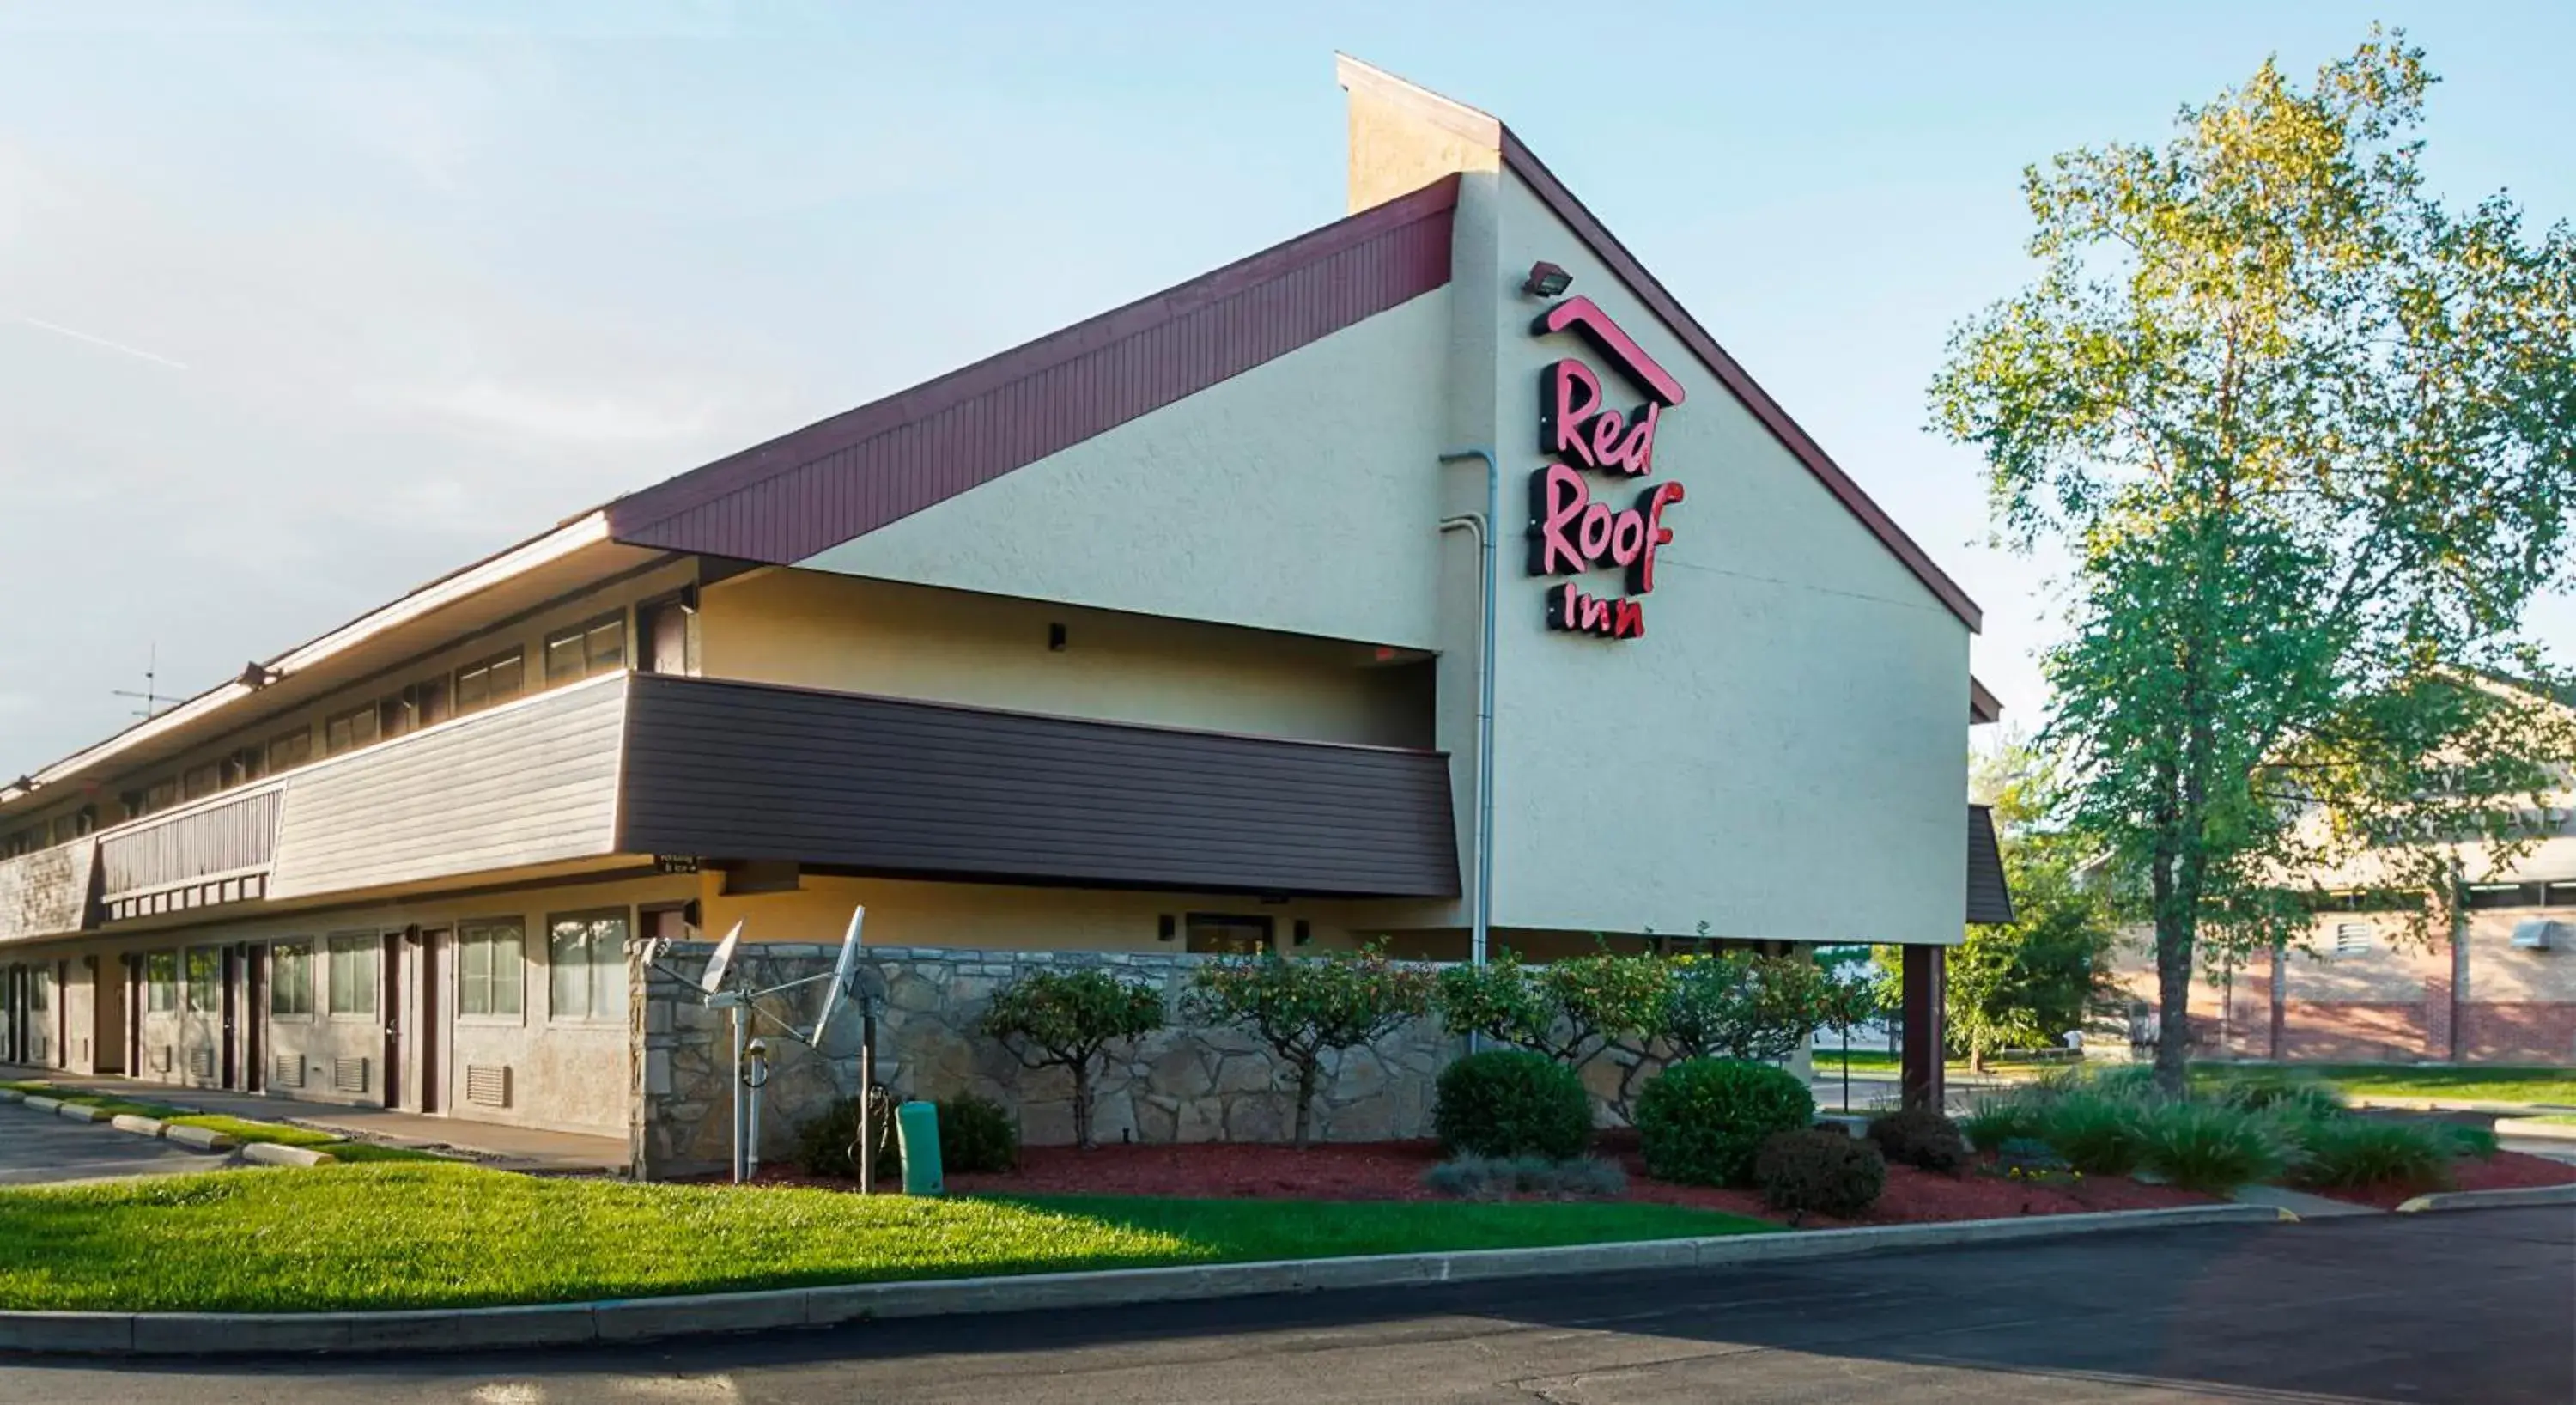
(2309, 438)
(1303, 1006)
(1573, 1010)
(1736, 1005)
(1067, 1019)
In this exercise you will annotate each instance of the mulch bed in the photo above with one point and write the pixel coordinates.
(2506, 1170)
(1393, 1171)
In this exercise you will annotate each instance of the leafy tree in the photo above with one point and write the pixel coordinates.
(2309, 437)
(1573, 1010)
(1736, 1005)
(1067, 1019)
(1303, 1006)
(1849, 998)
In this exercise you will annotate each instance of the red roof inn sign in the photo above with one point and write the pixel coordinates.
(1572, 531)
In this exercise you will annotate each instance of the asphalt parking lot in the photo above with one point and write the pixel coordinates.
(39, 1147)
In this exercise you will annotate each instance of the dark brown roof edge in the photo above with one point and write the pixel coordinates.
(1989, 894)
(1520, 161)
(1983, 706)
(639, 510)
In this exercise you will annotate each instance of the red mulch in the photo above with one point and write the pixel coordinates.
(2506, 1170)
(1393, 1171)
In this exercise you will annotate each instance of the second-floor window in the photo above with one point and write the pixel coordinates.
(349, 730)
(494, 680)
(586, 650)
(290, 749)
(199, 781)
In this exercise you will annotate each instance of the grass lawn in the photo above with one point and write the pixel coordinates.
(359, 1237)
(239, 1129)
(2495, 1085)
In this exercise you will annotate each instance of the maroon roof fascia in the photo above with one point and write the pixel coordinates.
(1520, 161)
(1983, 705)
(839, 478)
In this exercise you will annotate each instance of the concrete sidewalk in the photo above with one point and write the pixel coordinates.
(502, 1148)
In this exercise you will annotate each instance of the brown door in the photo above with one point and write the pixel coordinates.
(254, 961)
(391, 1004)
(232, 1015)
(426, 1025)
(62, 1013)
(134, 1016)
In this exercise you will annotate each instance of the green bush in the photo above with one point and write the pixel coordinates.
(1512, 1102)
(2271, 1090)
(2205, 1146)
(2344, 1151)
(1304, 1007)
(823, 1145)
(1703, 1120)
(976, 1134)
(2098, 1134)
(2028, 1157)
(2466, 1140)
(1066, 1019)
(1497, 1178)
(1919, 1136)
(2005, 1119)
(1821, 1170)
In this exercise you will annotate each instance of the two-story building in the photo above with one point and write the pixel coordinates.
(1432, 575)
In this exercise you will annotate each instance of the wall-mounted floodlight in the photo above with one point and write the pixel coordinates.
(1547, 280)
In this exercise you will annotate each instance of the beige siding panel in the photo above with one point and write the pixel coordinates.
(46, 893)
(238, 835)
(534, 782)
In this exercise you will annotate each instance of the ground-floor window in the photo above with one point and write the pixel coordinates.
(290, 978)
(205, 975)
(40, 990)
(1230, 934)
(161, 981)
(586, 960)
(491, 968)
(353, 974)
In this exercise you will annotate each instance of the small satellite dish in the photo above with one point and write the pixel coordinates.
(721, 962)
(841, 972)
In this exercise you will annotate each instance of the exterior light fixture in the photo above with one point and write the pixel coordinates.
(1546, 280)
(259, 675)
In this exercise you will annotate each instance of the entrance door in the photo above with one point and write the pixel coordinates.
(254, 961)
(391, 1004)
(13, 1015)
(134, 1016)
(232, 1017)
(426, 1025)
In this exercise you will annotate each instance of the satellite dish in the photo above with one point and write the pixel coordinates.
(841, 972)
(721, 962)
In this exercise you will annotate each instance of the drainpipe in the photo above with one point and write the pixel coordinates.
(1484, 527)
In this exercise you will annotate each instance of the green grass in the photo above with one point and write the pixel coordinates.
(240, 1129)
(376, 1237)
(2495, 1085)
(2557, 1119)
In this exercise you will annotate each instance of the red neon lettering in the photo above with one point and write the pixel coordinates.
(1596, 615)
(1635, 455)
(1641, 575)
(1627, 537)
(1628, 619)
(1568, 395)
(1558, 496)
(1593, 535)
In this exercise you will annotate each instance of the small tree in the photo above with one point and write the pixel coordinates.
(1065, 1019)
(1736, 1005)
(1573, 1010)
(1850, 999)
(1303, 1006)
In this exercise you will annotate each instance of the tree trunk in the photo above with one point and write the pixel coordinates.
(1976, 1056)
(1082, 1105)
(2173, 1003)
(1306, 1071)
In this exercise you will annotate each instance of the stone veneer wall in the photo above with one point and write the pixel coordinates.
(1184, 1083)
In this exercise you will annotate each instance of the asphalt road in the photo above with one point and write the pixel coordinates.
(2473, 1306)
(37, 1147)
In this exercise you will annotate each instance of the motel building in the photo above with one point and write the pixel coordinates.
(1432, 577)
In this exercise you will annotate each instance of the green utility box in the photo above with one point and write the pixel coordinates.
(917, 1124)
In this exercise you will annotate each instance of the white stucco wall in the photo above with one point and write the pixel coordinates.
(1783, 755)
(1299, 496)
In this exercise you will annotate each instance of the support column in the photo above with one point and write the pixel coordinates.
(1920, 1078)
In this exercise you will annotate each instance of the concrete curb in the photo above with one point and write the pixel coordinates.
(11, 1095)
(138, 1125)
(81, 1112)
(278, 1154)
(202, 1138)
(643, 1319)
(2489, 1199)
(41, 1103)
(2535, 1129)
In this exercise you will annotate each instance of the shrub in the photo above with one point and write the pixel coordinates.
(2271, 1090)
(1918, 1136)
(1512, 1102)
(2028, 1156)
(976, 1134)
(1303, 1006)
(1818, 1169)
(1497, 1177)
(2134, 1082)
(1703, 1120)
(2098, 1135)
(823, 1145)
(2466, 1140)
(1065, 1019)
(1998, 1121)
(2205, 1146)
(2344, 1151)
(1736, 1005)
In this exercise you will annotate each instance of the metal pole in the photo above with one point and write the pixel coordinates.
(1483, 907)
(759, 1080)
(867, 1157)
(740, 1172)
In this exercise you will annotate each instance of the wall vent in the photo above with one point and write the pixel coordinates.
(2351, 938)
(2539, 934)
(349, 1075)
(487, 1085)
(160, 1058)
(286, 1071)
(201, 1062)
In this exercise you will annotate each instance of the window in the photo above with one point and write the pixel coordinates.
(205, 980)
(494, 680)
(353, 728)
(40, 990)
(586, 650)
(290, 749)
(200, 780)
(491, 975)
(353, 974)
(428, 702)
(2486, 895)
(586, 961)
(290, 978)
(246, 765)
(160, 795)
(1217, 933)
(161, 981)
(2559, 895)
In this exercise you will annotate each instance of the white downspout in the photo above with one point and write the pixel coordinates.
(1483, 526)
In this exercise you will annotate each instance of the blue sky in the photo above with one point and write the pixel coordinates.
(303, 304)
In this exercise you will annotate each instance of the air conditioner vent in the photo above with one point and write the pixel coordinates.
(2539, 934)
(201, 1062)
(286, 1071)
(487, 1085)
(349, 1075)
(2351, 938)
